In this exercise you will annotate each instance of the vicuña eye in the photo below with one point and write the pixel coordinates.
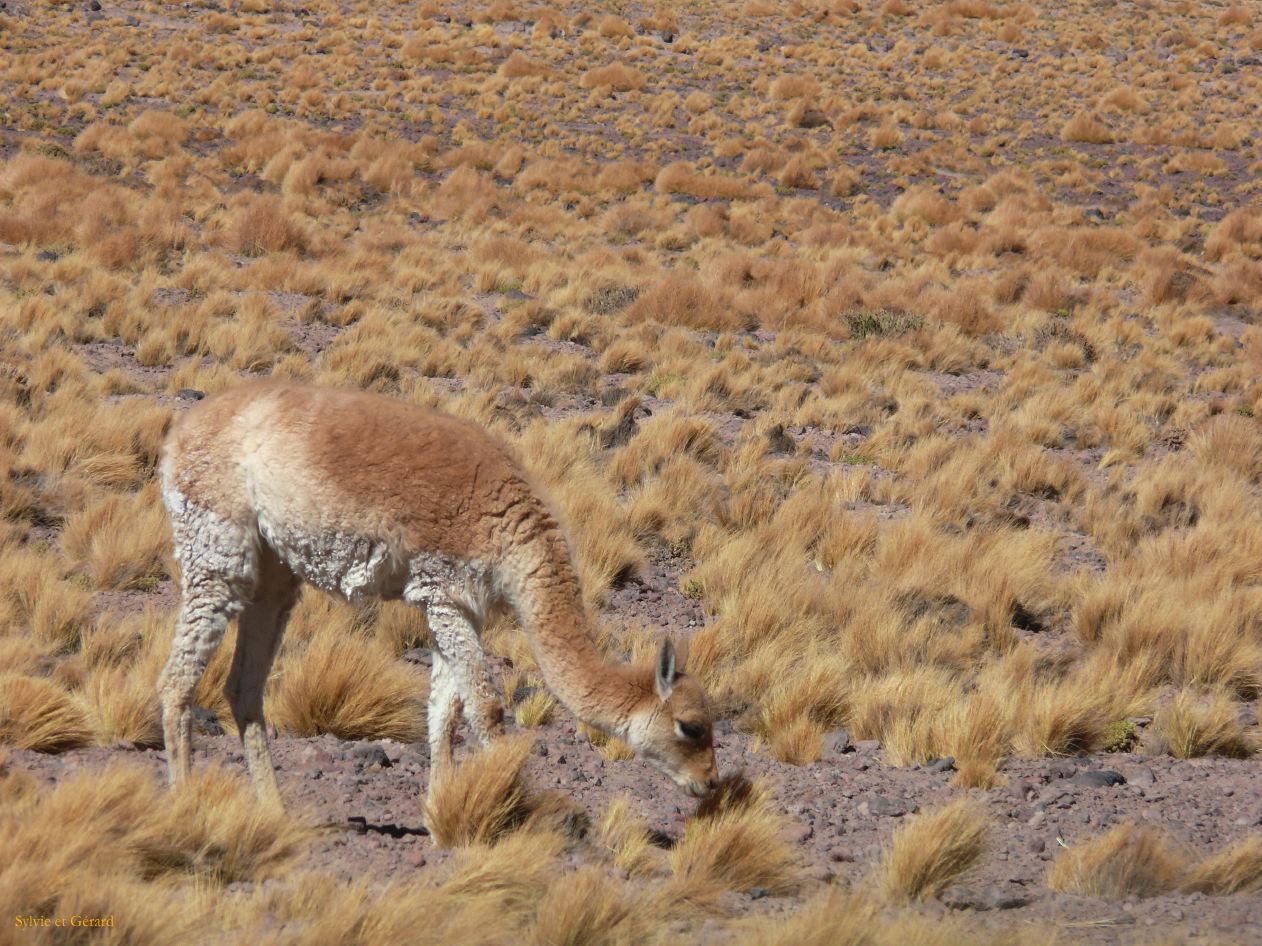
(693, 731)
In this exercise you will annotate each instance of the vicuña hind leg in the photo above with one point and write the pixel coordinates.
(205, 610)
(259, 631)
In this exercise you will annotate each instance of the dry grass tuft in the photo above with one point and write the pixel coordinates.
(933, 849)
(37, 714)
(1235, 869)
(1128, 861)
(347, 685)
(590, 907)
(628, 839)
(214, 826)
(483, 798)
(735, 792)
(1199, 724)
(737, 848)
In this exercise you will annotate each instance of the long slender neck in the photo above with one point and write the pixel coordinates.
(550, 605)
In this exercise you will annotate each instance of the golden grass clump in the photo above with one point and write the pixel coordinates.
(934, 848)
(1197, 723)
(347, 685)
(214, 826)
(487, 796)
(733, 843)
(627, 839)
(615, 76)
(591, 907)
(1235, 869)
(37, 714)
(1127, 861)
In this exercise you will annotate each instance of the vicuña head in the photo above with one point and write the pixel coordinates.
(272, 484)
(671, 728)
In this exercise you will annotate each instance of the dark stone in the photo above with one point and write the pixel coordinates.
(190, 394)
(94, 5)
(206, 722)
(1105, 778)
(945, 764)
(757, 893)
(48, 256)
(988, 898)
(862, 430)
(543, 749)
(370, 754)
(667, 36)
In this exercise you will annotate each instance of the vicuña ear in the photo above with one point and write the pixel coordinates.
(666, 669)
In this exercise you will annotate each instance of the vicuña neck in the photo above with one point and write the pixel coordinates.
(551, 608)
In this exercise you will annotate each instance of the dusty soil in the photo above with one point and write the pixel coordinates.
(843, 810)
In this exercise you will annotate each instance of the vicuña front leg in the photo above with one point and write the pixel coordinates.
(465, 660)
(443, 716)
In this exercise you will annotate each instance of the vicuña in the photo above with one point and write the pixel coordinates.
(272, 484)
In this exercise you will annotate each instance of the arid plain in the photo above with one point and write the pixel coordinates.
(900, 359)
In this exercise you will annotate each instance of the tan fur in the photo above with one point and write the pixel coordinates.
(272, 484)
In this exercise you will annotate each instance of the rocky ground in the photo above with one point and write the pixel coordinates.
(843, 810)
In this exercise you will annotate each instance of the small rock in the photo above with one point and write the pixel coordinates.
(1062, 768)
(757, 893)
(190, 394)
(416, 857)
(314, 758)
(1036, 845)
(867, 746)
(370, 754)
(1105, 778)
(94, 5)
(1022, 790)
(543, 749)
(887, 807)
(797, 834)
(837, 743)
(48, 256)
(840, 855)
(945, 764)
(667, 36)
(988, 898)
(1143, 777)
